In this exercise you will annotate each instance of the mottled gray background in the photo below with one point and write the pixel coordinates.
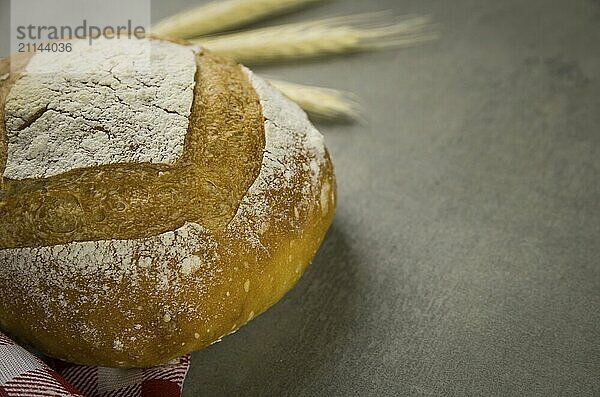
(465, 255)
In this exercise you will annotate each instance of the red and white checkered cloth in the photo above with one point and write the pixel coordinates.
(24, 375)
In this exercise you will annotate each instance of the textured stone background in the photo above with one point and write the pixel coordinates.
(465, 255)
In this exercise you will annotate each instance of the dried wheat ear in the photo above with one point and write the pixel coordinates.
(293, 42)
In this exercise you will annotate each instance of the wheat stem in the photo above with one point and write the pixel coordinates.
(321, 103)
(312, 39)
(218, 16)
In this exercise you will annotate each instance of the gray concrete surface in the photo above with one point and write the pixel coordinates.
(465, 255)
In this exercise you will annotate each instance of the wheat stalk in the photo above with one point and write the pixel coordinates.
(320, 103)
(219, 16)
(327, 36)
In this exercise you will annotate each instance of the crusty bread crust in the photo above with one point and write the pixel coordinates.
(180, 254)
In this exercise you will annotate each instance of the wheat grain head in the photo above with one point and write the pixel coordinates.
(318, 38)
(218, 16)
(321, 103)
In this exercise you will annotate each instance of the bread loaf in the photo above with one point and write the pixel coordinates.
(147, 212)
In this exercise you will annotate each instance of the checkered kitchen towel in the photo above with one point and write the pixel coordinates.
(24, 375)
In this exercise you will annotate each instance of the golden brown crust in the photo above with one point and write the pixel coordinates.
(108, 201)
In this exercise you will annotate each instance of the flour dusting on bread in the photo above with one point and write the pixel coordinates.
(100, 107)
(168, 261)
(166, 257)
(293, 147)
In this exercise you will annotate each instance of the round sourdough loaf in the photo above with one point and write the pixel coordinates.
(153, 199)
